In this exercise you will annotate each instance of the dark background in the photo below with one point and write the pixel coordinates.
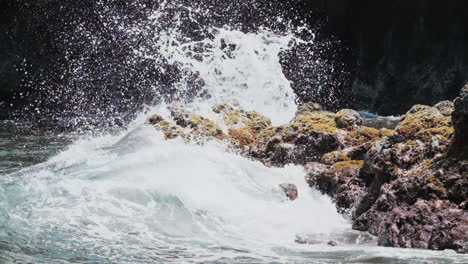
(397, 53)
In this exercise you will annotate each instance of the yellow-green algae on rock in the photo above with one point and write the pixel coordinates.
(169, 129)
(375, 176)
(424, 122)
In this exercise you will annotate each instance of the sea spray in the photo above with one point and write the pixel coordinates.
(136, 190)
(133, 197)
(126, 55)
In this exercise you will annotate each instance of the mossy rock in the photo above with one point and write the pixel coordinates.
(349, 164)
(204, 126)
(445, 107)
(361, 135)
(424, 122)
(241, 136)
(385, 132)
(246, 128)
(418, 108)
(169, 129)
(199, 125)
(308, 108)
(348, 118)
(257, 122)
(319, 121)
(334, 157)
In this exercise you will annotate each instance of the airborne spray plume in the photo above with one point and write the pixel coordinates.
(119, 56)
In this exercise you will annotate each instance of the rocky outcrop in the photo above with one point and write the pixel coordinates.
(407, 186)
(417, 193)
(460, 122)
(340, 181)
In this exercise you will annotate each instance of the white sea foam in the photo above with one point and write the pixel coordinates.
(137, 198)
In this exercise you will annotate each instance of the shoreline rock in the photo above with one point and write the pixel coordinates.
(290, 190)
(407, 186)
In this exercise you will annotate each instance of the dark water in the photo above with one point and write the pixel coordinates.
(22, 145)
(43, 219)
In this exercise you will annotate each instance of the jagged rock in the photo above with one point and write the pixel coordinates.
(200, 126)
(400, 185)
(169, 130)
(460, 122)
(306, 138)
(412, 186)
(423, 122)
(348, 118)
(341, 181)
(445, 107)
(290, 190)
(431, 224)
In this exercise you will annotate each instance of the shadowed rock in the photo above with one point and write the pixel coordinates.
(460, 122)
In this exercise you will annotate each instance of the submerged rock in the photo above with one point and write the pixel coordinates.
(290, 190)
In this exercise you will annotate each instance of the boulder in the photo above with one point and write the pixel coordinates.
(348, 118)
(460, 122)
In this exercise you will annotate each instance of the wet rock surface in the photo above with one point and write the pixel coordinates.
(460, 122)
(290, 190)
(407, 186)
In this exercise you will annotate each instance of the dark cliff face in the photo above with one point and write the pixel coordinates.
(405, 52)
(31, 46)
(399, 53)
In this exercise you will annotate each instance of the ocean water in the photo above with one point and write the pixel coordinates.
(132, 197)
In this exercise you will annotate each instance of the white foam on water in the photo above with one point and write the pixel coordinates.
(137, 198)
(139, 190)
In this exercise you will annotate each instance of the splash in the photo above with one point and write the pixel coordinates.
(125, 56)
(105, 195)
(132, 197)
